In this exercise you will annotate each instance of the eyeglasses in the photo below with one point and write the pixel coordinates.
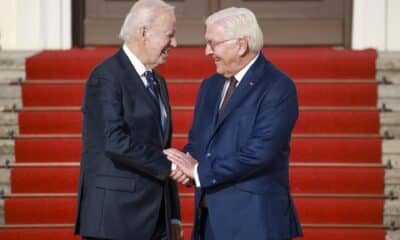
(212, 45)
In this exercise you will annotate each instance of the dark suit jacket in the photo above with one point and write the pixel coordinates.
(124, 174)
(243, 158)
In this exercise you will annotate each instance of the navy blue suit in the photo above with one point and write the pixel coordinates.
(124, 179)
(244, 156)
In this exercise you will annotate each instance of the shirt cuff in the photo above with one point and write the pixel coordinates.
(176, 221)
(196, 175)
(173, 167)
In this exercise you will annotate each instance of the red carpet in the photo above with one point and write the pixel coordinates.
(315, 149)
(184, 94)
(304, 63)
(356, 180)
(325, 210)
(343, 129)
(309, 232)
(334, 121)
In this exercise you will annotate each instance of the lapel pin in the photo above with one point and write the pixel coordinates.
(251, 83)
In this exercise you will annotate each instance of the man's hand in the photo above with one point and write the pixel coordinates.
(179, 176)
(183, 161)
(176, 231)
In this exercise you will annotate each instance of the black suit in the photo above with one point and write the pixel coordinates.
(124, 184)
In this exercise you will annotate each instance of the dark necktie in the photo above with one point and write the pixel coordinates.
(154, 89)
(152, 86)
(228, 95)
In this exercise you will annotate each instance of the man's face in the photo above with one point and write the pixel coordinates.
(160, 38)
(222, 50)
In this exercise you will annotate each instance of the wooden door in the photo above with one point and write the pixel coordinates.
(103, 20)
(284, 23)
(301, 22)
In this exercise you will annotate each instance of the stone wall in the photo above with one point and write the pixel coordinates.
(12, 69)
(388, 70)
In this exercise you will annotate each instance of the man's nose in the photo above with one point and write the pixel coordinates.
(174, 42)
(208, 50)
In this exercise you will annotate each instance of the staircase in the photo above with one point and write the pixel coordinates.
(336, 172)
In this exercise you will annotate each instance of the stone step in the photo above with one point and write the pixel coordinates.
(7, 157)
(389, 75)
(8, 118)
(5, 130)
(393, 235)
(391, 146)
(10, 91)
(14, 60)
(388, 61)
(390, 103)
(389, 91)
(391, 213)
(7, 76)
(9, 103)
(6, 147)
(392, 181)
(2, 211)
(5, 180)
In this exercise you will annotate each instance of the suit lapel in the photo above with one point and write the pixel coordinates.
(213, 100)
(133, 80)
(245, 87)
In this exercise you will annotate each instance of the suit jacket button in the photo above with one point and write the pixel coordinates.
(208, 155)
(214, 181)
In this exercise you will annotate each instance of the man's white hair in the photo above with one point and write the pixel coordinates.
(143, 13)
(238, 23)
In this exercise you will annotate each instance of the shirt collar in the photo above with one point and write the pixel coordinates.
(239, 76)
(137, 64)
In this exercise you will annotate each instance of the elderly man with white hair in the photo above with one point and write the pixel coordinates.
(125, 190)
(239, 142)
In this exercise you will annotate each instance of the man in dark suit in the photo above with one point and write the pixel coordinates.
(125, 191)
(238, 146)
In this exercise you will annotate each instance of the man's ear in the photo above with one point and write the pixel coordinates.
(143, 33)
(243, 46)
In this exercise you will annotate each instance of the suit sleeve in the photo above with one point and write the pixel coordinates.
(119, 145)
(174, 200)
(271, 130)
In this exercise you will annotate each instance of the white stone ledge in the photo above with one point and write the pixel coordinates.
(6, 147)
(5, 180)
(5, 157)
(392, 76)
(392, 213)
(389, 91)
(391, 146)
(8, 119)
(10, 91)
(2, 211)
(393, 158)
(391, 103)
(9, 76)
(4, 131)
(393, 235)
(10, 102)
(390, 118)
(388, 60)
(393, 130)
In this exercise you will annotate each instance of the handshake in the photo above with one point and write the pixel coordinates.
(185, 165)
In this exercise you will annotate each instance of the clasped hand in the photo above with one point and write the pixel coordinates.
(185, 165)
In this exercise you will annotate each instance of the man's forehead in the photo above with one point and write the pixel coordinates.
(214, 30)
